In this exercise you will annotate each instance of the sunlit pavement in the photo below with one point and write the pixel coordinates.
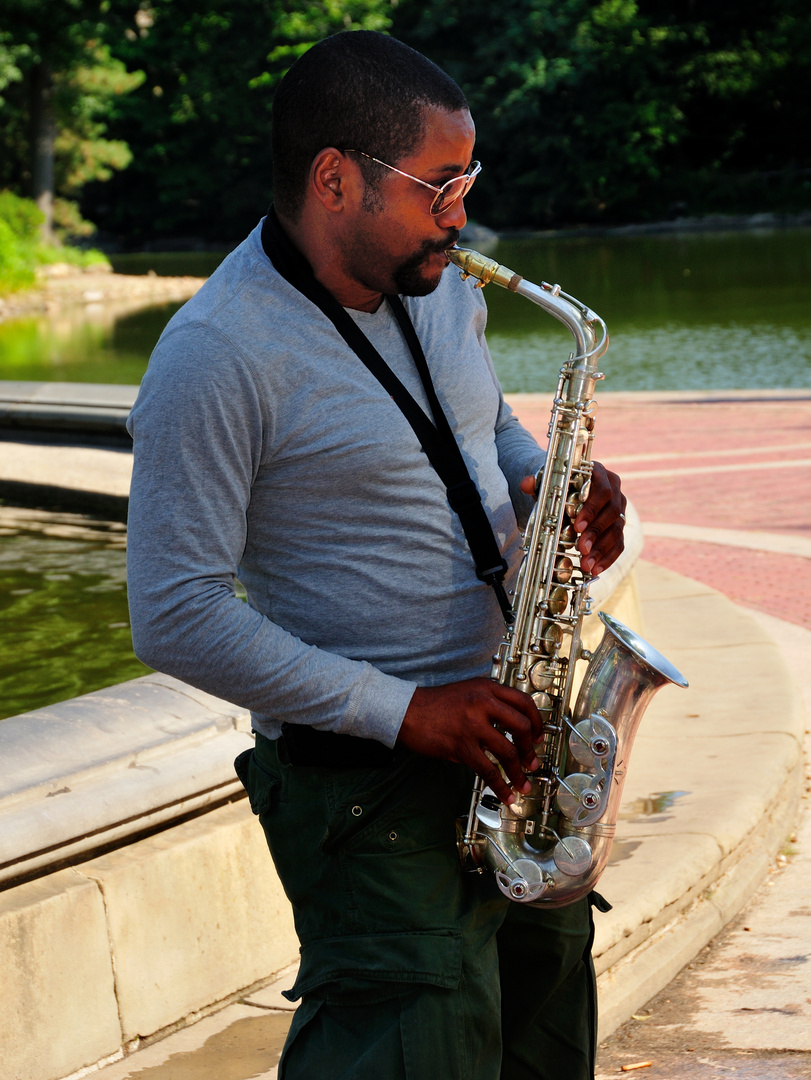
(742, 1007)
(722, 488)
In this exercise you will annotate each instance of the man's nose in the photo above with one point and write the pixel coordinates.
(453, 216)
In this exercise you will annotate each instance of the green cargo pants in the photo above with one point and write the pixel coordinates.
(403, 956)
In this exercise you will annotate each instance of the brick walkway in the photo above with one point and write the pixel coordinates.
(741, 465)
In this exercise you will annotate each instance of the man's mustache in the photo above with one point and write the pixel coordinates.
(441, 246)
(453, 236)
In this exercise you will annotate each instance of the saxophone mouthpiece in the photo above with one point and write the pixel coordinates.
(472, 264)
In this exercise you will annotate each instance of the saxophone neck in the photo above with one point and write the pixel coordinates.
(587, 328)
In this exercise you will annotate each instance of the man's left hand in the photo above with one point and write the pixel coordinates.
(600, 522)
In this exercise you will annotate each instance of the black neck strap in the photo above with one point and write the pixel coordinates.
(436, 439)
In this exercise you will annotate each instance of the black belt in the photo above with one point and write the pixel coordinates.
(300, 745)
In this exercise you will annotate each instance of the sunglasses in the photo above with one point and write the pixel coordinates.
(447, 194)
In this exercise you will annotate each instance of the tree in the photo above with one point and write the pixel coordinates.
(199, 126)
(60, 78)
(744, 92)
(617, 110)
(570, 98)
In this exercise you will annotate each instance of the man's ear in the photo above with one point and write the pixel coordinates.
(329, 178)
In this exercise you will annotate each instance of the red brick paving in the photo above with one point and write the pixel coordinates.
(637, 435)
(780, 585)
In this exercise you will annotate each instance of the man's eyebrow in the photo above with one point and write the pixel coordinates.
(452, 170)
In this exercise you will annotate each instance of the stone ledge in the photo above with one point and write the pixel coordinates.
(194, 914)
(137, 942)
(58, 1009)
(109, 765)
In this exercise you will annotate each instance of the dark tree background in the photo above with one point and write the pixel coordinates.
(625, 111)
(155, 116)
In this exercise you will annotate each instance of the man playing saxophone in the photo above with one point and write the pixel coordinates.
(270, 446)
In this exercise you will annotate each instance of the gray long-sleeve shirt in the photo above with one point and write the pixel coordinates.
(265, 451)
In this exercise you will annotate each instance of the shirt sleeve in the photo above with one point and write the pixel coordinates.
(200, 431)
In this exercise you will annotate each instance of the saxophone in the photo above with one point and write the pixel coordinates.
(550, 847)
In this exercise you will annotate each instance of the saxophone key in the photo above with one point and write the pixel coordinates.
(552, 639)
(573, 504)
(592, 741)
(557, 601)
(572, 856)
(540, 675)
(580, 799)
(544, 704)
(564, 568)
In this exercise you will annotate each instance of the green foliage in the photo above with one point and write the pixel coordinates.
(21, 250)
(566, 96)
(83, 100)
(20, 221)
(618, 110)
(593, 110)
(9, 69)
(200, 123)
(69, 223)
(56, 68)
(16, 265)
(22, 216)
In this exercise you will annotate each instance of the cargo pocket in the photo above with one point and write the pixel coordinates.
(342, 968)
(394, 838)
(262, 786)
(402, 1033)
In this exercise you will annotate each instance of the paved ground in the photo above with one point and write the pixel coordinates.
(742, 1008)
(722, 488)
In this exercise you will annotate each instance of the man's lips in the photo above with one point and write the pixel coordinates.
(449, 242)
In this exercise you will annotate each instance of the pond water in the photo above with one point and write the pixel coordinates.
(693, 312)
(64, 624)
(685, 311)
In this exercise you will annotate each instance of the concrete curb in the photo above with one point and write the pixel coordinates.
(700, 857)
(716, 900)
(88, 409)
(106, 767)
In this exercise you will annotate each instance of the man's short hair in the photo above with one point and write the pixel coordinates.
(357, 90)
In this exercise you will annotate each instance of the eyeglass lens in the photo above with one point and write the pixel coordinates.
(454, 189)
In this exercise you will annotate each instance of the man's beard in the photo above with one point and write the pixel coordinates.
(410, 277)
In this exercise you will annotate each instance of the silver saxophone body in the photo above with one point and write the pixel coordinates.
(550, 847)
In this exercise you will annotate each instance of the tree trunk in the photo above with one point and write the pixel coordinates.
(43, 138)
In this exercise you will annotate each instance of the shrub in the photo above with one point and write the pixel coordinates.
(22, 216)
(21, 248)
(16, 260)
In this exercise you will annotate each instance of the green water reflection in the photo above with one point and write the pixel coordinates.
(715, 311)
(82, 345)
(64, 622)
(688, 311)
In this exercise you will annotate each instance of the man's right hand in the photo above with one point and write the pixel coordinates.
(460, 721)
